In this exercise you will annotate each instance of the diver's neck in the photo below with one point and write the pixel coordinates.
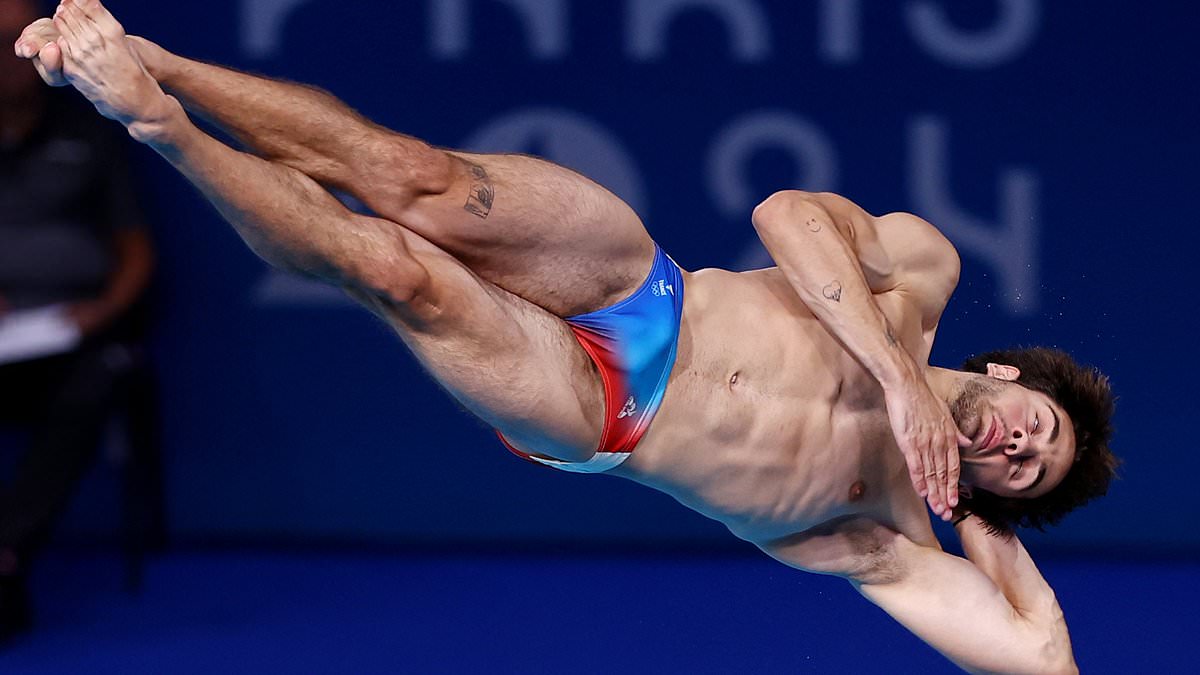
(945, 383)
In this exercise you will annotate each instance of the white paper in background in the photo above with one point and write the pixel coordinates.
(32, 333)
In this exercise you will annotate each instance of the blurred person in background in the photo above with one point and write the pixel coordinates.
(74, 261)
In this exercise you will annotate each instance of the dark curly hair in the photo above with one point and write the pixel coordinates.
(1085, 394)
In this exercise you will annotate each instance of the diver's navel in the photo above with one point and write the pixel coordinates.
(858, 490)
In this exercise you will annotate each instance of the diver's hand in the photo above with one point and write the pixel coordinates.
(929, 439)
(39, 44)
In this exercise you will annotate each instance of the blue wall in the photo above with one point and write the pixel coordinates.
(1052, 141)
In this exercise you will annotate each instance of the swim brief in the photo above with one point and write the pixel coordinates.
(633, 345)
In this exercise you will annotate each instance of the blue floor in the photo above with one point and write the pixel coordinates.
(247, 612)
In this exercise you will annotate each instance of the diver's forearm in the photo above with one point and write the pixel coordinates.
(1004, 560)
(951, 605)
(1008, 564)
(822, 268)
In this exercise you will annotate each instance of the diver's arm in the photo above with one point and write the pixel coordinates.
(823, 266)
(1004, 560)
(819, 252)
(950, 603)
(996, 617)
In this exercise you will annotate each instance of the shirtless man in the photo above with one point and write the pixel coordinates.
(794, 404)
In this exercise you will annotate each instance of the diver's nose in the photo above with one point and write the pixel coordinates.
(1017, 442)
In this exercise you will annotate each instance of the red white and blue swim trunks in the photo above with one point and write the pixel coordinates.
(633, 345)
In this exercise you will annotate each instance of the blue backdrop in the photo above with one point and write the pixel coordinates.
(1053, 142)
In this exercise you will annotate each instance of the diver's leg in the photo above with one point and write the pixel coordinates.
(510, 362)
(537, 229)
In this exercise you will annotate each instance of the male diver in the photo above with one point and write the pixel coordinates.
(793, 404)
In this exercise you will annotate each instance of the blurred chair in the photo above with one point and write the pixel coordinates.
(131, 450)
(132, 445)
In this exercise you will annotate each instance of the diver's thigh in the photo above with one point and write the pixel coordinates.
(511, 363)
(536, 229)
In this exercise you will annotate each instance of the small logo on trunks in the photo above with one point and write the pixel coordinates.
(661, 287)
(629, 409)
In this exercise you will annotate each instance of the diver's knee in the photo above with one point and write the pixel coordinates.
(392, 273)
(398, 171)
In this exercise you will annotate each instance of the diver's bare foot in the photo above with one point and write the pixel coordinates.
(100, 63)
(39, 44)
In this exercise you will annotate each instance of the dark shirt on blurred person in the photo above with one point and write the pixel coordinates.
(70, 228)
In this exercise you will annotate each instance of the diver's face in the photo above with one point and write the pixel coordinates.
(1022, 442)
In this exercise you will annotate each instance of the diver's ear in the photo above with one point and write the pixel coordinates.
(1003, 372)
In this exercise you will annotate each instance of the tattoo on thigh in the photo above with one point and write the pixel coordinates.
(483, 193)
(833, 291)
